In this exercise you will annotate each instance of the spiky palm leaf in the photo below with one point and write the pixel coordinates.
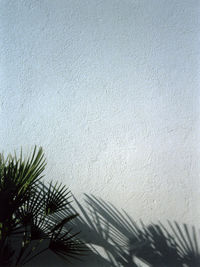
(33, 212)
(17, 178)
(50, 224)
(56, 198)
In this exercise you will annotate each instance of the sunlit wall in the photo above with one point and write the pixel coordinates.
(110, 90)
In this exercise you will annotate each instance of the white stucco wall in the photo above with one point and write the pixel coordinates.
(110, 89)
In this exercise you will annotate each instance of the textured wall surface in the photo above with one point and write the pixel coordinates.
(110, 89)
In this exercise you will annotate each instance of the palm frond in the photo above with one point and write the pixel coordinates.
(56, 198)
(67, 245)
(33, 212)
(17, 177)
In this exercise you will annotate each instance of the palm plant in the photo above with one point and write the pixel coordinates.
(34, 217)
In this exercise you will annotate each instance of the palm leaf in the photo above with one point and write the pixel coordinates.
(56, 198)
(33, 211)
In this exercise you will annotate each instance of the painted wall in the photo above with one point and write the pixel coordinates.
(110, 89)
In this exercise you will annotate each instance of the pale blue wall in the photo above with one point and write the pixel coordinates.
(110, 89)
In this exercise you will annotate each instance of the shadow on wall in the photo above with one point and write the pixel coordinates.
(114, 239)
(126, 243)
(36, 218)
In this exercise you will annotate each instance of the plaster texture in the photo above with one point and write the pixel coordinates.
(110, 90)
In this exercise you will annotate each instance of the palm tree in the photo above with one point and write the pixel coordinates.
(34, 217)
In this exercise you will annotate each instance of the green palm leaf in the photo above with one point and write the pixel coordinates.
(33, 212)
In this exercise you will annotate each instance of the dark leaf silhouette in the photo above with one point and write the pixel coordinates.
(34, 216)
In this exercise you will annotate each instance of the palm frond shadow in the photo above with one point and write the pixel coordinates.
(127, 243)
